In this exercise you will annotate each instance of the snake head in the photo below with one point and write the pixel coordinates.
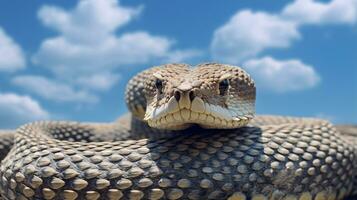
(209, 95)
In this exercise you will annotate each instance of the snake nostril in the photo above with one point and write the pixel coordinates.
(177, 95)
(192, 95)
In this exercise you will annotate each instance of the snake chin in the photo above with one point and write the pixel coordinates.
(174, 116)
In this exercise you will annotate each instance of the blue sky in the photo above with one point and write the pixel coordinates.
(70, 60)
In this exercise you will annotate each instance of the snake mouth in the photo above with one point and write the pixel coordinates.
(174, 116)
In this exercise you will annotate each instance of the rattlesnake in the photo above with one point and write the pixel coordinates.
(192, 135)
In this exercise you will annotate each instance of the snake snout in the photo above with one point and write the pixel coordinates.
(185, 89)
(178, 94)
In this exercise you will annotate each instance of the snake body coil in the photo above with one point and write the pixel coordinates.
(191, 136)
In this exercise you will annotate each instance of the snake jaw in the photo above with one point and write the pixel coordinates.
(174, 116)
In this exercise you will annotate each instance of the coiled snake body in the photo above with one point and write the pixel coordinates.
(191, 136)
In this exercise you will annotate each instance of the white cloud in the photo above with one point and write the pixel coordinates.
(90, 22)
(11, 56)
(16, 110)
(100, 82)
(248, 33)
(282, 75)
(87, 44)
(53, 90)
(67, 58)
(314, 12)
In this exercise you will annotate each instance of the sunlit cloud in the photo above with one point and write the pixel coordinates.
(16, 110)
(12, 57)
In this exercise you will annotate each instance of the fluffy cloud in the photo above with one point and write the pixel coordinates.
(90, 22)
(53, 90)
(16, 110)
(87, 44)
(314, 12)
(100, 82)
(282, 76)
(67, 58)
(12, 57)
(247, 33)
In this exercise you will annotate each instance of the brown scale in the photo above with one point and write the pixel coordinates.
(209, 165)
(273, 157)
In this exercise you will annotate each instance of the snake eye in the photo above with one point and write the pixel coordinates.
(158, 85)
(223, 86)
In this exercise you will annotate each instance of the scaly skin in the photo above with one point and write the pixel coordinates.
(273, 157)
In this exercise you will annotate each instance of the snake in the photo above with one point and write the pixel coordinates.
(192, 133)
